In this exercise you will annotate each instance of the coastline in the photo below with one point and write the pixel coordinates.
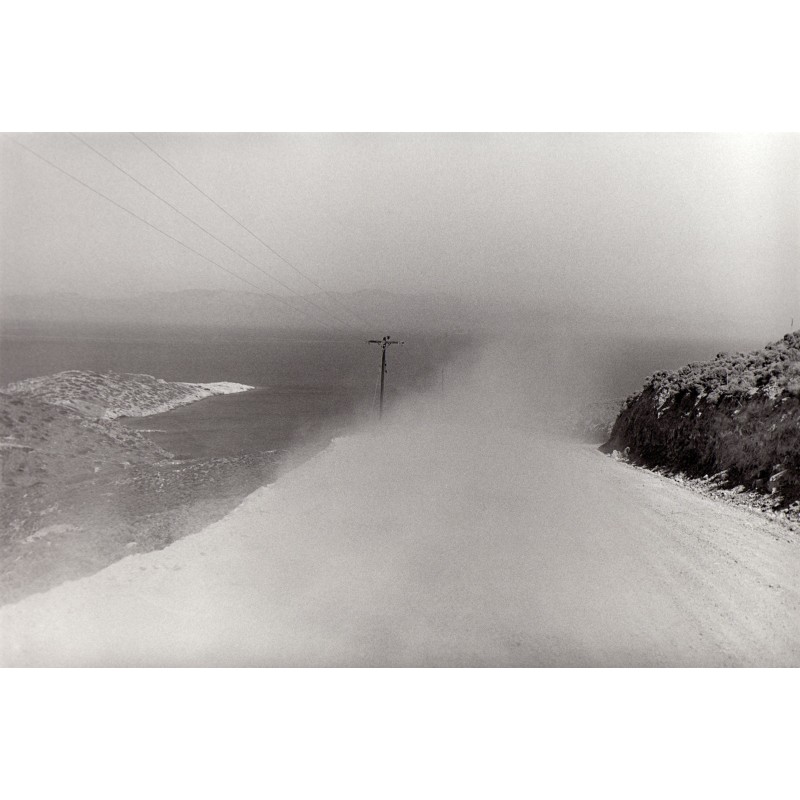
(195, 392)
(111, 395)
(118, 492)
(99, 505)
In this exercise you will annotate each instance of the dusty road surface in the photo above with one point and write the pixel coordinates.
(441, 543)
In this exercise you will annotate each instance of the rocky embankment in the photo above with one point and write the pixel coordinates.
(734, 419)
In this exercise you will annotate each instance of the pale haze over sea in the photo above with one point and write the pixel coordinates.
(658, 232)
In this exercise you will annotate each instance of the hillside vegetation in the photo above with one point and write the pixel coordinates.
(736, 417)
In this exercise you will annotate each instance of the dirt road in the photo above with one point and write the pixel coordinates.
(441, 544)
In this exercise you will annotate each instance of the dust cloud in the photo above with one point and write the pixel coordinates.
(460, 530)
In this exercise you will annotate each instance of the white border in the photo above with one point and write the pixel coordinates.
(415, 66)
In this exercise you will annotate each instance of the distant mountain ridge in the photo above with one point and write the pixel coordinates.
(372, 310)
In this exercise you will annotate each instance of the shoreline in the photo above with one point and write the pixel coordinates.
(203, 391)
(80, 517)
(112, 395)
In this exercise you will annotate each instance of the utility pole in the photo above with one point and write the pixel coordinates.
(384, 343)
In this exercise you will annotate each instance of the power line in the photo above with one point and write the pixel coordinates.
(206, 231)
(156, 228)
(244, 227)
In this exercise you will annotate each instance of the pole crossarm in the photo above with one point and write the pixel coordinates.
(385, 342)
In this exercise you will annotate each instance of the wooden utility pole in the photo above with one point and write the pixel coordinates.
(384, 343)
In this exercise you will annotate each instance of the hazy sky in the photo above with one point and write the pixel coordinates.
(676, 226)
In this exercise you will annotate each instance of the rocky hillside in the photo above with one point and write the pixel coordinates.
(736, 417)
(111, 395)
(47, 453)
(79, 489)
(78, 494)
(43, 443)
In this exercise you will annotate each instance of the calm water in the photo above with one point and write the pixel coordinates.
(202, 355)
(256, 421)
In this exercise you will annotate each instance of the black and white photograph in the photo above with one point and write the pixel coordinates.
(400, 400)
